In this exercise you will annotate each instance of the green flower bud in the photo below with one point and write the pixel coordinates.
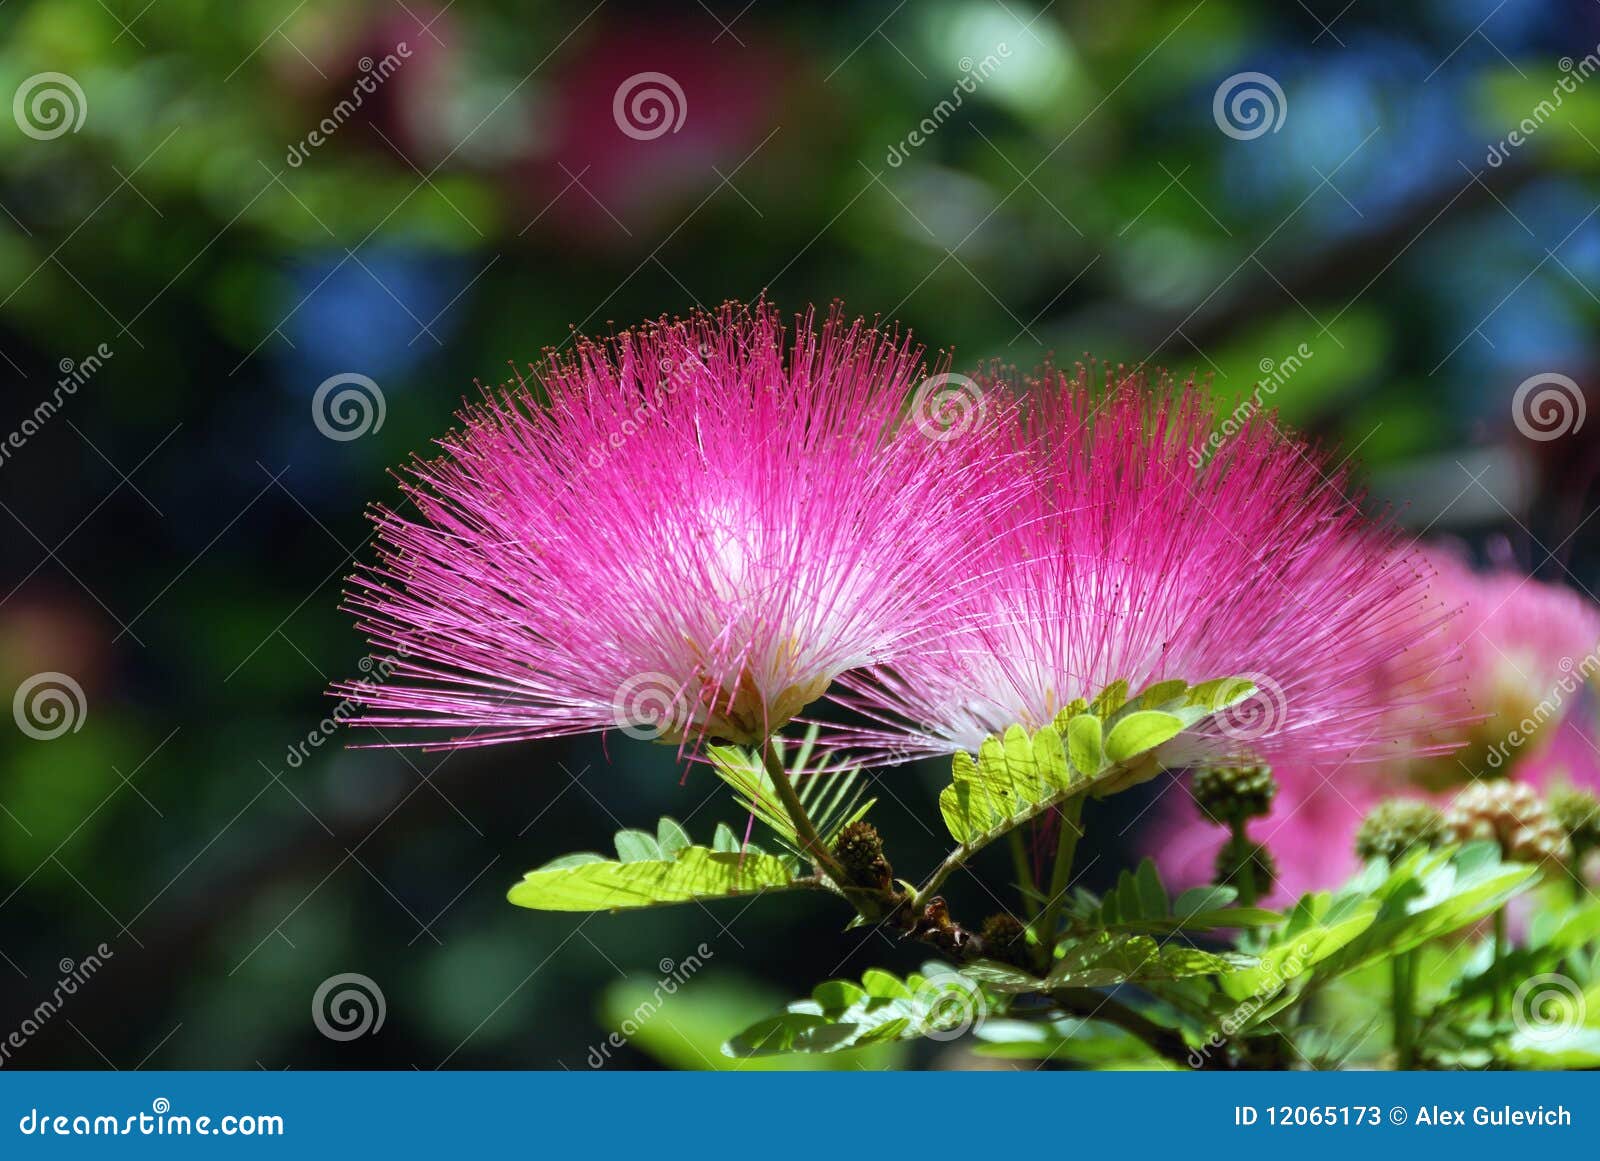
(859, 850)
(1578, 813)
(1005, 939)
(1231, 794)
(1237, 854)
(1395, 827)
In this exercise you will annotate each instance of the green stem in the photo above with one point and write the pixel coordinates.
(810, 840)
(1044, 929)
(1025, 884)
(1245, 877)
(1403, 986)
(1497, 969)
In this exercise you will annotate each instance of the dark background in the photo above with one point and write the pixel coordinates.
(175, 535)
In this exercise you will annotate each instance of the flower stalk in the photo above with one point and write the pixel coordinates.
(810, 840)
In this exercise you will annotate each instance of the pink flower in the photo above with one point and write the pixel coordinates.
(706, 524)
(1528, 651)
(1152, 549)
(1529, 648)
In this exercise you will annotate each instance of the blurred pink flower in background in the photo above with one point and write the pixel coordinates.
(1521, 709)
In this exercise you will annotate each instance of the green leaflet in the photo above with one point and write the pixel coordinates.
(1070, 1041)
(1107, 960)
(830, 791)
(1099, 747)
(1426, 895)
(685, 1029)
(1140, 731)
(1576, 1048)
(1084, 747)
(1013, 778)
(844, 1014)
(1139, 904)
(650, 870)
(1318, 927)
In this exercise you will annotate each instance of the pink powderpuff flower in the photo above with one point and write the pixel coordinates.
(1529, 648)
(1166, 541)
(1529, 652)
(704, 525)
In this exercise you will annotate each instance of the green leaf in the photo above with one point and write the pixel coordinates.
(636, 846)
(1160, 693)
(1426, 895)
(1084, 744)
(596, 884)
(1139, 732)
(684, 1027)
(841, 1015)
(1070, 1040)
(1318, 927)
(576, 859)
(1013, 779)
(1018, 776)
(1110, 699)
(671, 837)
(1108, 959)
(1139, 904)
(830, 791)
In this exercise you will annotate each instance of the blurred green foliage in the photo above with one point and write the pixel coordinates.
(178, 529)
